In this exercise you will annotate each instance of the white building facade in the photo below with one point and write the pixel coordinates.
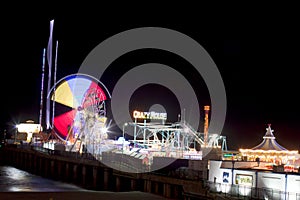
(246, 179)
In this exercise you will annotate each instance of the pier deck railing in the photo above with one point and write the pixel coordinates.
(247, 192)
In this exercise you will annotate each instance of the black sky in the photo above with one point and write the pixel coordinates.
(256, 53)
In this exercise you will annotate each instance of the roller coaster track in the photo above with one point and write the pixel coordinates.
(191, 132)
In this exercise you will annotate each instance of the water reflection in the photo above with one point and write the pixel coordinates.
(16, 180)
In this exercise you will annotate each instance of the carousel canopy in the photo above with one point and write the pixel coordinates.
(269, 142)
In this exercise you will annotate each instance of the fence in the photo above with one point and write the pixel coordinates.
(247, 192)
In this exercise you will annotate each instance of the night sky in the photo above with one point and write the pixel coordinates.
(257, 56)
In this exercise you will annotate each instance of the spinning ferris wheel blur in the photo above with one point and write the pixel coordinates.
(79, 112)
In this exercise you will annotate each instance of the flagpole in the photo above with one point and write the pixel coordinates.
(54, 82)
(42, 90)
(49, 58)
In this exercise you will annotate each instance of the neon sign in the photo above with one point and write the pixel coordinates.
(149, 115)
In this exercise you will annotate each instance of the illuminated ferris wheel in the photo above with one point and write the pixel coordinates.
(79, 114)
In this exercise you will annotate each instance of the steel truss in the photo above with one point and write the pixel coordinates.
(171, 137)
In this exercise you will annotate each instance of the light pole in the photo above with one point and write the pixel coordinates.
(232, 171)
(124, 134)
(16, 133)
(124, 129)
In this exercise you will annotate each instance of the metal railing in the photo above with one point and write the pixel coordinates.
(248, 192)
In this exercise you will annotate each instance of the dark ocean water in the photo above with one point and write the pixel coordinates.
(16, 180)
(17, 184)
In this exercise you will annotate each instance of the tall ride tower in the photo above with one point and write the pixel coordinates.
(206, 109)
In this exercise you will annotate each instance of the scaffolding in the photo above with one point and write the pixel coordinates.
(168, 137)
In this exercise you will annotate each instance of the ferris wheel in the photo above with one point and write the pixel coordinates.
(79, 111)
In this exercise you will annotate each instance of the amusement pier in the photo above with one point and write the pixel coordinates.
(75, 143)
(170, 160)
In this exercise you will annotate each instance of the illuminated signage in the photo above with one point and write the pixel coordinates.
(149, 115)
(29, 128)
(243, 179)
(225, 177)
